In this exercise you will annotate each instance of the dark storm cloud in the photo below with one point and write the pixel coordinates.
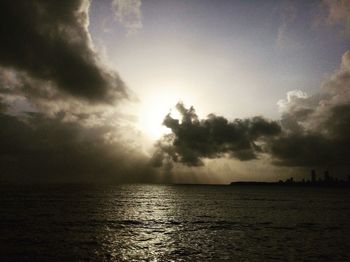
(316, 128)
(49, 41)
(193, 139)
(48, 67)
(328, 146)
(313, 131)
(3, 107)
(34, 148)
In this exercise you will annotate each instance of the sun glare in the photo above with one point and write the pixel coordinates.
(152, 112)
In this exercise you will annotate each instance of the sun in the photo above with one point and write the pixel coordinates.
(152, 112)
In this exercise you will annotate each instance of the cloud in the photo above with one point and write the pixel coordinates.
(20, 92)
(128, 13)
(58, 116)
(313, 131)
(35, 148)
(338, 14)
(316, 128)
(193, 139)
(339, 10)
(47, 43)
(3, 107)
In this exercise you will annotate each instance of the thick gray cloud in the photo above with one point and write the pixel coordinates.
(193, 139)
(48, 41)
(34, 148)
(3, 107)
(312, 132)
(316, 128)
(329, 145)
(57, 100)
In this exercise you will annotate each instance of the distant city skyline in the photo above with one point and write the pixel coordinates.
(326, 181)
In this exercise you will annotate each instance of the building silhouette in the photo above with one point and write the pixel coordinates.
(327, 181)
(313, 176)
(327, 177)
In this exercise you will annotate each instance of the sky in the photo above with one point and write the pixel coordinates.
(173, 91)
(234, 58)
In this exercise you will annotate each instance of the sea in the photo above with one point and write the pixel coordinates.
(143, 222)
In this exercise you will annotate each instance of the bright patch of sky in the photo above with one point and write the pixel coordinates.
(231, 58)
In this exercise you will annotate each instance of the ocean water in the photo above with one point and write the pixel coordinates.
(174, 223)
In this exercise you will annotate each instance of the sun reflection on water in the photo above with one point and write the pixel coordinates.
(147, 224)
(174, 223)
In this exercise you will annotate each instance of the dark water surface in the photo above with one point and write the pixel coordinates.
(174, 223)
